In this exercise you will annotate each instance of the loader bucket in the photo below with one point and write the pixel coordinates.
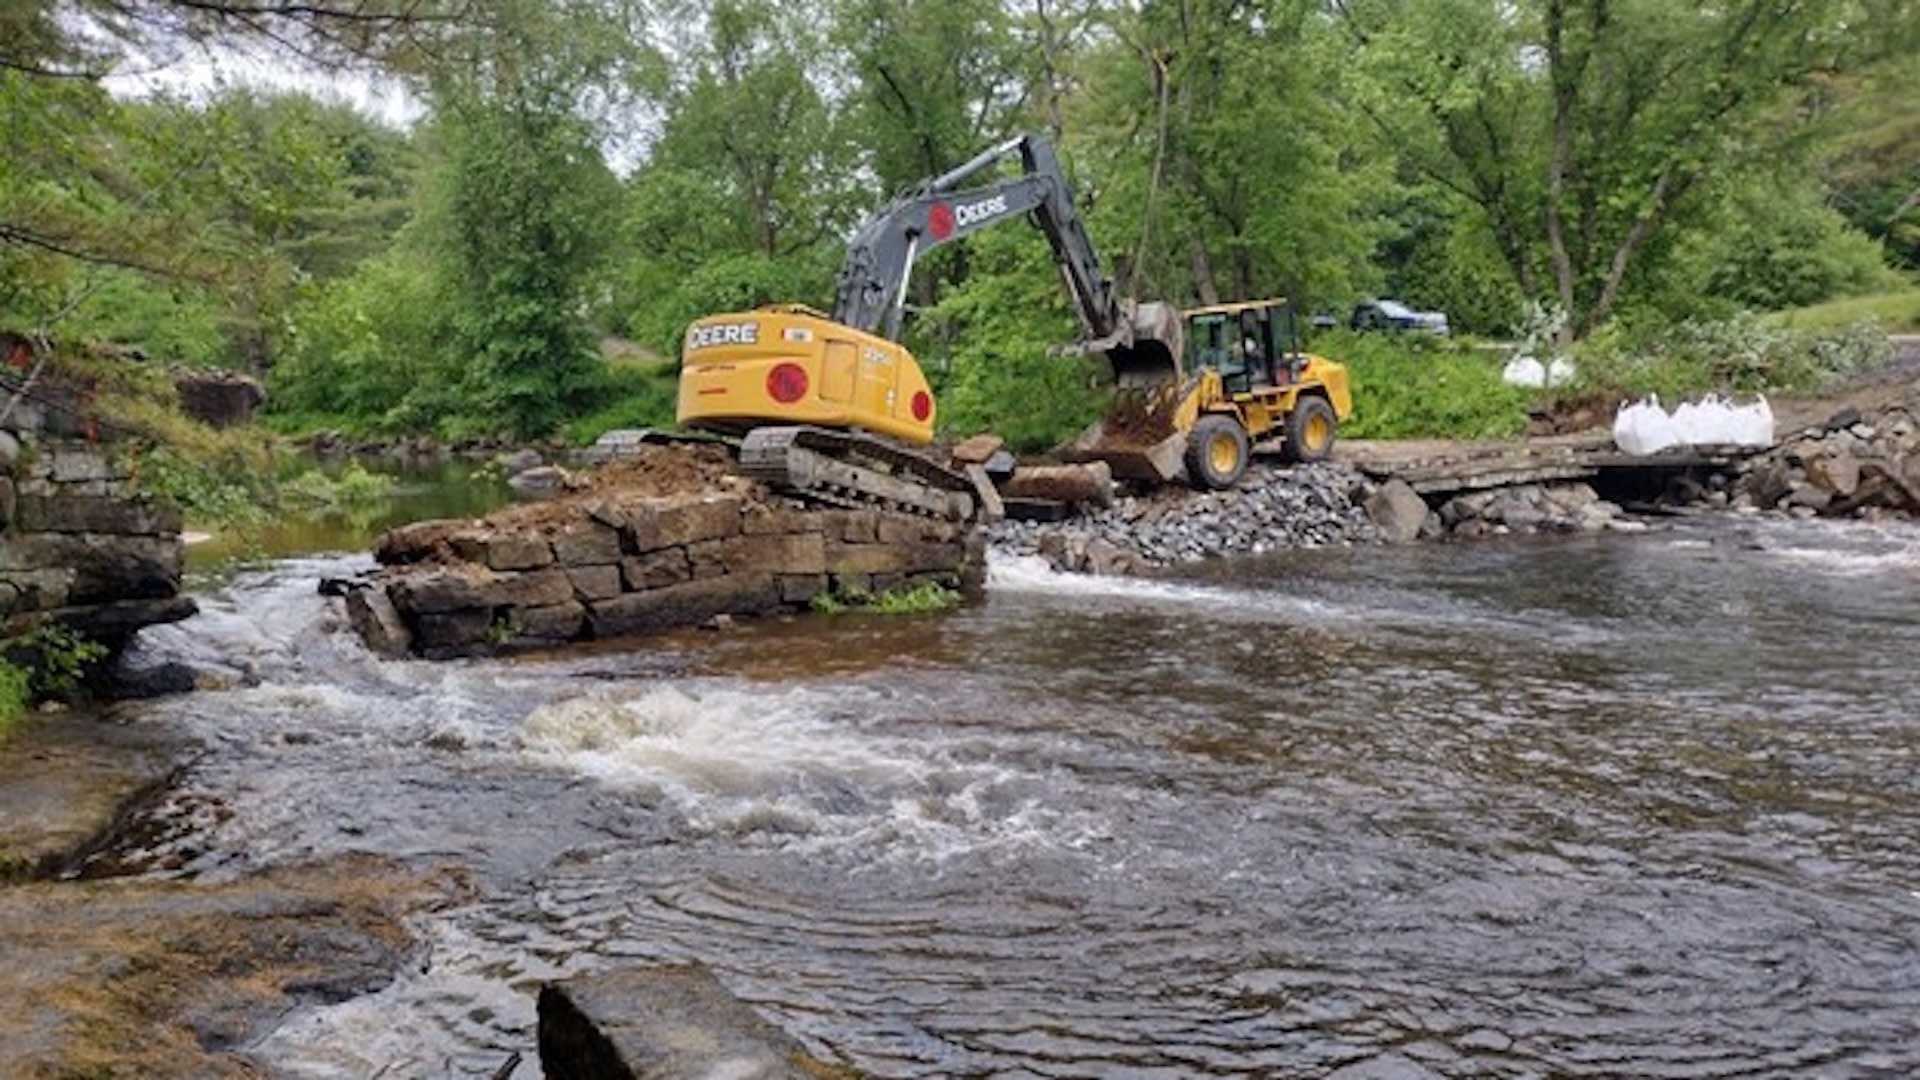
(1140, 438)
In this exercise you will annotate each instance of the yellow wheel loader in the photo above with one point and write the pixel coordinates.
(1245, 379)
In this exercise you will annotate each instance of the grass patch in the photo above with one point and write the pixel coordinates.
(927, 596)
(1895, 312)
(1409, 386)
(16, 696)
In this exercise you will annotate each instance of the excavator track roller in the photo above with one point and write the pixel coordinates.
(842, 468)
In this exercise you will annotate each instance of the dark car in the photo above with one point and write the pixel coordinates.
(1394, 315)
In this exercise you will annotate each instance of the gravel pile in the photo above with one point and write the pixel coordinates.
(1272, 509)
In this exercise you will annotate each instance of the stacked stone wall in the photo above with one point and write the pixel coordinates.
(80, 546)
(619, 567)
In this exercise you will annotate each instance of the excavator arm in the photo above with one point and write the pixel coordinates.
(1142, 343)
(873, 280)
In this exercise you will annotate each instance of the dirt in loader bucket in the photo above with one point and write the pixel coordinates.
(1139, 438)
(1140, 416)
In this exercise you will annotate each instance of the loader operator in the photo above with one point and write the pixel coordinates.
(1260, 366)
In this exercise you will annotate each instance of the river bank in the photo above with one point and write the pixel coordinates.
(1102, 820)
(158, 977)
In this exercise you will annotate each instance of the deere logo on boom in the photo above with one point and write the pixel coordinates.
(736, 333)
(973, 213)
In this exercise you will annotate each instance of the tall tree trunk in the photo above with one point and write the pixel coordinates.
(1050, 69)
(1565, 79)
(1203, 280)
(1669, 187)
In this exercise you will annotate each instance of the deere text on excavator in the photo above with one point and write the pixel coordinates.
(822, 400)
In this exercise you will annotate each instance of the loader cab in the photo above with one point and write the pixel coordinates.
(1253, 346)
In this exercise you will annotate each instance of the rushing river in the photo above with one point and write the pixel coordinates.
(1642, 806)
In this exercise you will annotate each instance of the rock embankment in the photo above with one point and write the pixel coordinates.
(1312, 506)
(671, 538)
(1858, 463)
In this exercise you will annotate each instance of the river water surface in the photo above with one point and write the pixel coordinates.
(1637, 806)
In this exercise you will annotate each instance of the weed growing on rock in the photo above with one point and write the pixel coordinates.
(50, 662)
(16, 689)
(915, 600)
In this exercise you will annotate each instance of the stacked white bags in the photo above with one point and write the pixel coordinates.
(1646, 428)
(1525, 371)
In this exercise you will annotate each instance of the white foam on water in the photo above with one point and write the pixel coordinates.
(794, 767)
(1841, 563)
(1032, 574)
(1845, 549)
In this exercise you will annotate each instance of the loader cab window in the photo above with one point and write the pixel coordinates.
(1208, 344)
(1257, 346)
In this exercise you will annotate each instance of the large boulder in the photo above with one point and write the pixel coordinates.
(663, 1023)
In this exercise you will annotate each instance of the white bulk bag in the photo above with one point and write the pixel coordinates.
(1753, 424)
(1524, 371)
(1644, 428)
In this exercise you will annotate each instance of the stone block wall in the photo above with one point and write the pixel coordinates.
(79, 545)
(614, 567)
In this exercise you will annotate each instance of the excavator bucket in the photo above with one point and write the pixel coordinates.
(1148, 349)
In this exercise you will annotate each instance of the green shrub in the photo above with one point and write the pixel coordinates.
(1411, 386)
(63, 657)
(1743, 354)
(924, 597)
(49, 662)
(209, 491)
(354, 486)
(629, 396)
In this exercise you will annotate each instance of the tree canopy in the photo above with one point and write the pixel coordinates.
(597, 169)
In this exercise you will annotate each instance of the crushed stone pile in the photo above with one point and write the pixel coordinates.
(1272, 509)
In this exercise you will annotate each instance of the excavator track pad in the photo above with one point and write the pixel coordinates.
(842, 468)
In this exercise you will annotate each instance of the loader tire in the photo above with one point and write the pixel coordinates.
(1311, 430)
(1217, 453)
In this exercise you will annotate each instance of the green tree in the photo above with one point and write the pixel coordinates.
(934, 82)
(370, 351)
(143, 222)
(524, 199)
(1868, 165)
(991, 341)
(1581, 131)
(750, 187)
(1218, 159)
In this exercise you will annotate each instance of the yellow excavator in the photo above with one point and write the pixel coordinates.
(822, 401)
